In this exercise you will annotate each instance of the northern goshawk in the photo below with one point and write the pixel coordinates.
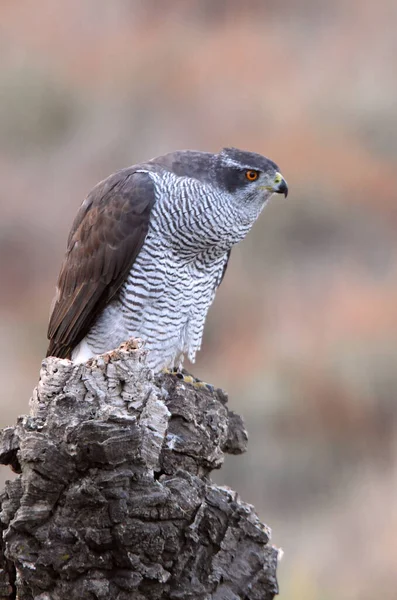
(148, 250)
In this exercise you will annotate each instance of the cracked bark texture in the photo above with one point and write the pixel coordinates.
(113, 499)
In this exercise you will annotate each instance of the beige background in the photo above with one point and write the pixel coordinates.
(303, 333)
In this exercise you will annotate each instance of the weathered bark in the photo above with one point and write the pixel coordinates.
(113, 499)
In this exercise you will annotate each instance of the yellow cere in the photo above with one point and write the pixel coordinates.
(278, 178)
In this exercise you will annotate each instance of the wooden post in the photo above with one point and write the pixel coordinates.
(113, 500)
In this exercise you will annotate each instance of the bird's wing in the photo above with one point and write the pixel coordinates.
(220, 275)
(106, 237)
(224, 269)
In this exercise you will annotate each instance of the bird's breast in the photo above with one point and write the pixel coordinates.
(165, 300)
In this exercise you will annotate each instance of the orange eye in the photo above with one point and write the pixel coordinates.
(251, 175)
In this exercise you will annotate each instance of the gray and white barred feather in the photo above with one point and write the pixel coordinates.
(173, 282)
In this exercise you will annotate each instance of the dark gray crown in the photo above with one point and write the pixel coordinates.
(249, 160)
(215, 169)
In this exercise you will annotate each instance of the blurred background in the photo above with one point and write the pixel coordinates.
(303, 332)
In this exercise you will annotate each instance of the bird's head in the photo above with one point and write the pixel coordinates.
(248, 177)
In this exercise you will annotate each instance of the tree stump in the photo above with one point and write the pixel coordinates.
(113, 500)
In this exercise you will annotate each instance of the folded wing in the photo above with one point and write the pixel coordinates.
(106, 237)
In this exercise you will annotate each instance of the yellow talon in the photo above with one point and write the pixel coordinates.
(186, 378)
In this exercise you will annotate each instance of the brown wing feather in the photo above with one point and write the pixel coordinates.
(105, 239)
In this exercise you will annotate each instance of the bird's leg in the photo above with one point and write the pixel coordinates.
(186, 377)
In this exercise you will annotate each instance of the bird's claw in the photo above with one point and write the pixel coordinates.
(184, 376)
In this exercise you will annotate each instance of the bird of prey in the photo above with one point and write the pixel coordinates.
(149, 248)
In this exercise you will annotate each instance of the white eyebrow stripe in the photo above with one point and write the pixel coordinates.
(232, 163)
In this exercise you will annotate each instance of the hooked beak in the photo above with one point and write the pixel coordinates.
(280, 186)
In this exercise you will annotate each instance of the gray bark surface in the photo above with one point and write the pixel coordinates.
(113, 500)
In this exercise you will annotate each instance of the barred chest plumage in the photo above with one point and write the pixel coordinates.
(172, 284)
(163, 304)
